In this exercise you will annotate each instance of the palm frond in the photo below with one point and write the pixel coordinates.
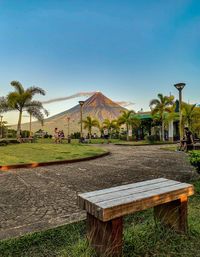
(18, 86)
(36, 90)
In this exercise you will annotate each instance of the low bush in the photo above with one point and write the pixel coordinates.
(151, 139)
(194, 159)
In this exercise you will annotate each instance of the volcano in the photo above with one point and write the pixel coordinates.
(97, 106)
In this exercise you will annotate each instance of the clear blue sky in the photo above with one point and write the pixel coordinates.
(129, 50)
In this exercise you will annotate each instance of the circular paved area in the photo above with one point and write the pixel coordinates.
(43, 197)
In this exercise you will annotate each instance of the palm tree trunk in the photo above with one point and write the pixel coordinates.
(30, 125)
(19, 124)
(163, 131)
(127, 132)
(160, 132)
(90, 135)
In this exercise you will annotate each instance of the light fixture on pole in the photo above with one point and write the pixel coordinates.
(1, 134)
(81, 104)
(180, 87)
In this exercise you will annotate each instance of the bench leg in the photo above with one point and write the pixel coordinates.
(174, 214)
(105, 237)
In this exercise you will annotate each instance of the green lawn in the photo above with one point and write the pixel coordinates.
(141, 237)
(76, 141)
(143, 142)
(30, 153)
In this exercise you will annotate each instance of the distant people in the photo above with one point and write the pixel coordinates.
(83, 140)
(56, 135)
(188, 140)
(95, 135)
(105, 134)
(61, 136)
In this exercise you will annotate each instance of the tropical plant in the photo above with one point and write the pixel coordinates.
(189, 114)
(89, 123)
(126, 119)
(20, 100)
(161, 106)
(112, 126)
(36, 112)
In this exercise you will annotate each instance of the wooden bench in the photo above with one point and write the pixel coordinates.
(105, 209)
(26, 140)
(195, 146)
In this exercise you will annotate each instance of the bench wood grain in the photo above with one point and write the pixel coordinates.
(105, 209)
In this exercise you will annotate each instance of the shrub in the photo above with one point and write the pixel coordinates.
(151, 139)
(194, 159)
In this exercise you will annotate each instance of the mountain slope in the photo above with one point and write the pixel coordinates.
(97, 106)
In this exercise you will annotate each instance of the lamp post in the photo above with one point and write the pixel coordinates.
(68, 132)
(68, 120)
(180, 87)
(1, 127)
(81, 104)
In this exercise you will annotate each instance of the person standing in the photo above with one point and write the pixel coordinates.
(56, 135)
(105, 135)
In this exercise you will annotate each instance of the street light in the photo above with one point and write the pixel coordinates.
(81, 104)
(1, 126)
(180, 87)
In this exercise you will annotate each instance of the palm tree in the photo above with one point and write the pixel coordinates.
(126, 119)
(135, 122)
(36, 112)
(161, 107)
(188, 113)
(20, 100)
(112, 126)
(89, 123)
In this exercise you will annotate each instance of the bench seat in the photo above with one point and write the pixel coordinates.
(195, 146)
(105, 209)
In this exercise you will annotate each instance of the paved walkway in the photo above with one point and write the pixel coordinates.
(44, 197)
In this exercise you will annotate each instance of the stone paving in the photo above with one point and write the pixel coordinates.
(44, 197)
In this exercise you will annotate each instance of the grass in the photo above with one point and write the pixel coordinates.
(144, 142)
(75, 141)
(141, 237)
(31, 153)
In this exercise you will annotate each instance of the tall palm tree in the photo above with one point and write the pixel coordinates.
(36, 112)
(188, 113)
(161, 106)
(20, 100)
(89, 123)
(126, 119)
(112, 126)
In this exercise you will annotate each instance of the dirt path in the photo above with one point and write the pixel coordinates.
(44, 197)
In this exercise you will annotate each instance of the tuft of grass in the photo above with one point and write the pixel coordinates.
(141, 237)
(37, 152)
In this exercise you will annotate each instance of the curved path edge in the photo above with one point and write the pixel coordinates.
(37, 164)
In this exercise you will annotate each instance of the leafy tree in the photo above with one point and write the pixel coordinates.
(126, 119)
(89, 123)
(20, 100)
(161, 106)
(112, 126)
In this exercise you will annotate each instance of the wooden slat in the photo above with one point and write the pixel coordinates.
(82, 197)
(129, 192)
(113, 189)
(139, 204)
(93, 203)
(118, 201)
